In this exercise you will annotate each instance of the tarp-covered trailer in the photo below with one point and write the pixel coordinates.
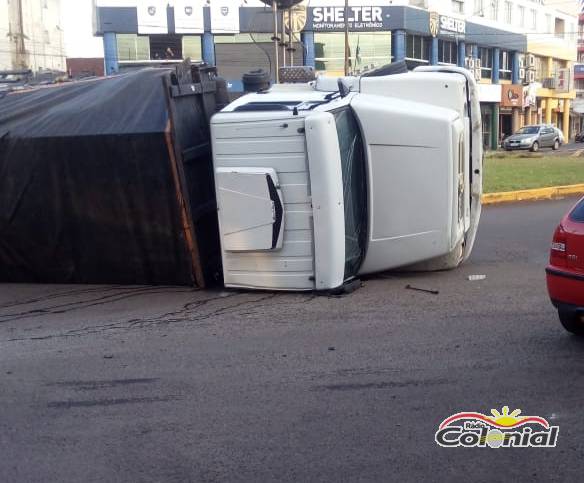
(111, 180)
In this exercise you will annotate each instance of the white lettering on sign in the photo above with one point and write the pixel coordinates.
(451, 24)
(337, 14)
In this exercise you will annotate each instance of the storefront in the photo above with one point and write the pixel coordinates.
(239, 39)
(551, 64)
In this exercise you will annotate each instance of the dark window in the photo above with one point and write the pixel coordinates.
(486, 56)
(578, 213)
(167, 47)
(418, 47)
(505, 65)
(354, 189)
(447, 52)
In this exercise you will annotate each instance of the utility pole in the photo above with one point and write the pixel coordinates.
(275, 39)
(347, 55)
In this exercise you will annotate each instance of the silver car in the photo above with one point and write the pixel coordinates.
(533, 138)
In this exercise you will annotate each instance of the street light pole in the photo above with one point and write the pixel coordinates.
(346, 37)
(275, 39)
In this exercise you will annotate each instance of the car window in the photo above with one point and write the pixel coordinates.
(577, 214)
(528, 130)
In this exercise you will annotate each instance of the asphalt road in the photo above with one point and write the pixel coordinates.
(166, 384)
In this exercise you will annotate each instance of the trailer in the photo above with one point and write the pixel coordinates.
(110, 180)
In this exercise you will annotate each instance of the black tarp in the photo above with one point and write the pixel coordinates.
(88, 189)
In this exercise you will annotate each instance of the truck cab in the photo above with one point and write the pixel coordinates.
(320, 183)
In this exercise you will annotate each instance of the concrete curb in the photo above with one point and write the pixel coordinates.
(533, 194)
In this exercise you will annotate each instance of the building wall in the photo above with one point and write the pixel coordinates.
(42, 27)
(84, 67)
(404, 31)
(5, 45)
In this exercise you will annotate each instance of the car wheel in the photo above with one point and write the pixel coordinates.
(572, 322)
(535, 147)
(556, 145)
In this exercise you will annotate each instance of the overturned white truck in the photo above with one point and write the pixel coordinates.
(320, 183)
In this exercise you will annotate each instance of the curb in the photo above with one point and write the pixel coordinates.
(550, 193)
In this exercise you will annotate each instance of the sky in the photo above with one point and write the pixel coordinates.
(77, 16)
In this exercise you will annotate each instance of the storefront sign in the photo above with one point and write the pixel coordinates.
(530, 94)
(360, 18)
(511, 95)
(446, 26)
(152, 17)
(564, 80)
(225, 16)
(188, 16)
(489, 92)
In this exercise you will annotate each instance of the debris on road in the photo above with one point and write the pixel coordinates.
(474, 278)
(418, 289)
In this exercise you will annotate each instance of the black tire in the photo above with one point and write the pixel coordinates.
(556, 145)
(572, 322)
(534, 147)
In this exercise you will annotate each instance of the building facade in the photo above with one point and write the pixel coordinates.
(524, 74)
(31, 35)
(578, 103)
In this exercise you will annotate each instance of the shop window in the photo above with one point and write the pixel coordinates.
(418, 48)
(191, 47)
(366, 51)
(133, 47)
(165, 47)
(447, 52)
(486, 56)
(237, 54)
(244, 39)
(505, 65)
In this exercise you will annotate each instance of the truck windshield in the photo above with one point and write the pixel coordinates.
(354, 189)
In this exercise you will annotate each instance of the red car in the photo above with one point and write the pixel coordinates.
(565, 272)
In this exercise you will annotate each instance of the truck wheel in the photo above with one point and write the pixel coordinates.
(572, 322)
(556, 145)
(535, 147)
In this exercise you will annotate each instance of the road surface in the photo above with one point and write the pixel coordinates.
(167, 384)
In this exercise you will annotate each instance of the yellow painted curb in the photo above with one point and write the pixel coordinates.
(533, 194)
